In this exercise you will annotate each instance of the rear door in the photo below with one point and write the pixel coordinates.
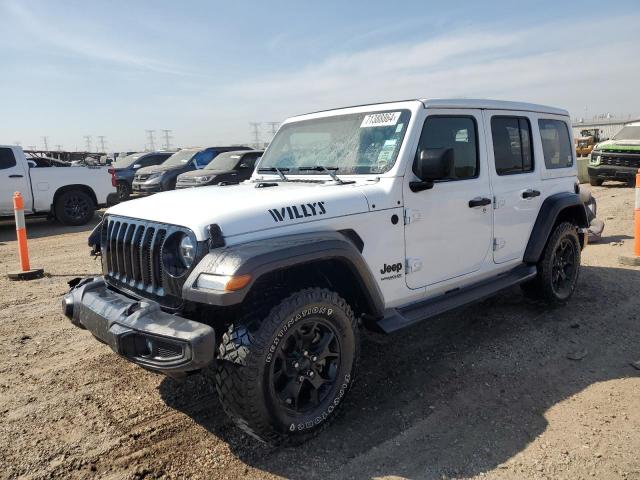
(515, 176)
(14, 177)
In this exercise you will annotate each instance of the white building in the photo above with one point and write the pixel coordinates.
(608, 126)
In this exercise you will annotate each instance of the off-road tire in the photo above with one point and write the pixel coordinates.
(595, 182)
(544, 287)
(247, 356)
(74, 207)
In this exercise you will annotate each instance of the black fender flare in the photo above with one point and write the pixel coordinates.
(260, 257)
(554, 206)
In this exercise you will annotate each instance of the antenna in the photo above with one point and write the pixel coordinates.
(87, 139)
(167, 139)
(101, 139)
(45, 141)
(255, 132)
(152, 144)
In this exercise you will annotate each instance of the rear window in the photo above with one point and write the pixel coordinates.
(556, 143)
(7, 159)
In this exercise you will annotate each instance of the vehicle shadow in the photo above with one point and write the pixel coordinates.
(43, 227)
(457, 395)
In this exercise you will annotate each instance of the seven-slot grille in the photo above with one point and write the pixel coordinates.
(620, 160)
(132, 253)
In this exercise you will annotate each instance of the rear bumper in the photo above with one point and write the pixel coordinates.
(139, 330)
(612, 172)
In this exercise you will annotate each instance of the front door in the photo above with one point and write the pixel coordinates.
(448, 228)
(13, 178)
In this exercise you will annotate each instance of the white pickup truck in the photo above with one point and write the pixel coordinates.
(69, 194)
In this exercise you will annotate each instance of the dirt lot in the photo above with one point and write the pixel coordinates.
(489, 391)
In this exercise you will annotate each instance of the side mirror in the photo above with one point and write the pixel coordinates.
(432, 164)
(136, 166)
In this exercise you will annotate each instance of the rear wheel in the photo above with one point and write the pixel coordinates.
(558, 268)
(596, 182)
(74, 207)
(282, 378)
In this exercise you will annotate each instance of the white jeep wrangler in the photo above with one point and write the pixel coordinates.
(379, 215)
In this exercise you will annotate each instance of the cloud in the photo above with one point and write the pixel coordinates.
(67, 40)
(549, 63)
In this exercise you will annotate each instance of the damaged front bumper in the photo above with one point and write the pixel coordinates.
(140, 330)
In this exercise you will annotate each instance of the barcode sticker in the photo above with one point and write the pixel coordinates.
(380, 119)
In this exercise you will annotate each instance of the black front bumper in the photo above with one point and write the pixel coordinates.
(612, 172)
(139, 330)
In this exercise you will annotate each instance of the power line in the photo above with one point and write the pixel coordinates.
(167, 139)
(101, 138)
(87, 139)
(152, 144)
(255, 132)
(45, 141)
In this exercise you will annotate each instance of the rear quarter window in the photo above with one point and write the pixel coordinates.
(7, 159)
(556, 143)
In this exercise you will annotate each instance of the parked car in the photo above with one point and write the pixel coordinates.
(376, 216)
(71, 195)
(125, 168)
(618, 158)
(163, 177)
(227, 168)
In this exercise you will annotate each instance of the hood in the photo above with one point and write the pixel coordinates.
(631, 145)
(159, 168)
(203, 173)
(243, 208)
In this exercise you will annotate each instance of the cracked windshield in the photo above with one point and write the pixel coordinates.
(359, 143)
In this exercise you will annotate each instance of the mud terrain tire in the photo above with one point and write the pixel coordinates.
(282, 376)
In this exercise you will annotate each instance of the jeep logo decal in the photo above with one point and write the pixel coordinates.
(294, 212)
(396, 267)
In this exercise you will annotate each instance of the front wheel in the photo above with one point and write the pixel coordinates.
(282, 378)
(558, 268)
(595, 182)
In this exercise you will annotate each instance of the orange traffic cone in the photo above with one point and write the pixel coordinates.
(635, 258)
(26, 272)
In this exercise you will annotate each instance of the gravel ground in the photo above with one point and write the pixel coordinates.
(504, 389)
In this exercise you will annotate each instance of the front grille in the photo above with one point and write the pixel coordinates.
(141, 177)
(132, 253)
(615, 160)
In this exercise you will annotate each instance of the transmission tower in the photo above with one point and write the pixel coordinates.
(45, 142)
(274, 128)
(167, 139)
(152, 143)
(87, 139)
(59, 148)
(255, 132)
(101, 139)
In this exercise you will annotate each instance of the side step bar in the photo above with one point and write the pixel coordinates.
(397, 318)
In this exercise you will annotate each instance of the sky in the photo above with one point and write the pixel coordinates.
(205, 69)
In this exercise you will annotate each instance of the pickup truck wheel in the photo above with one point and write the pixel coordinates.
(74, 207)
(559, 267)
(282, 378)
(595, 182)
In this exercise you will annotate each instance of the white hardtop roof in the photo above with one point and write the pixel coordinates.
(484, 104)
(481, 104)
(632, 124)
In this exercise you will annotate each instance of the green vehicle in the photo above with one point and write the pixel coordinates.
(618, 158)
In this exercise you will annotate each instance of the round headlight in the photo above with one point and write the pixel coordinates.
(186, 251)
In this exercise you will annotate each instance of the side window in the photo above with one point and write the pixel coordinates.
(250, 160)
(556, 143)
(458, 133)
(7, 160)
(203, 158)
(512, 147)
(149, 160)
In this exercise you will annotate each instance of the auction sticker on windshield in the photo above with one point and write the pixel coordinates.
(380, 119)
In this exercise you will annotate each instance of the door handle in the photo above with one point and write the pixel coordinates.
(479, 202)
(15, 176)
(530, 193)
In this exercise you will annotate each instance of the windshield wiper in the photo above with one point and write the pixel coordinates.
(331, 171)
(277, 170)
